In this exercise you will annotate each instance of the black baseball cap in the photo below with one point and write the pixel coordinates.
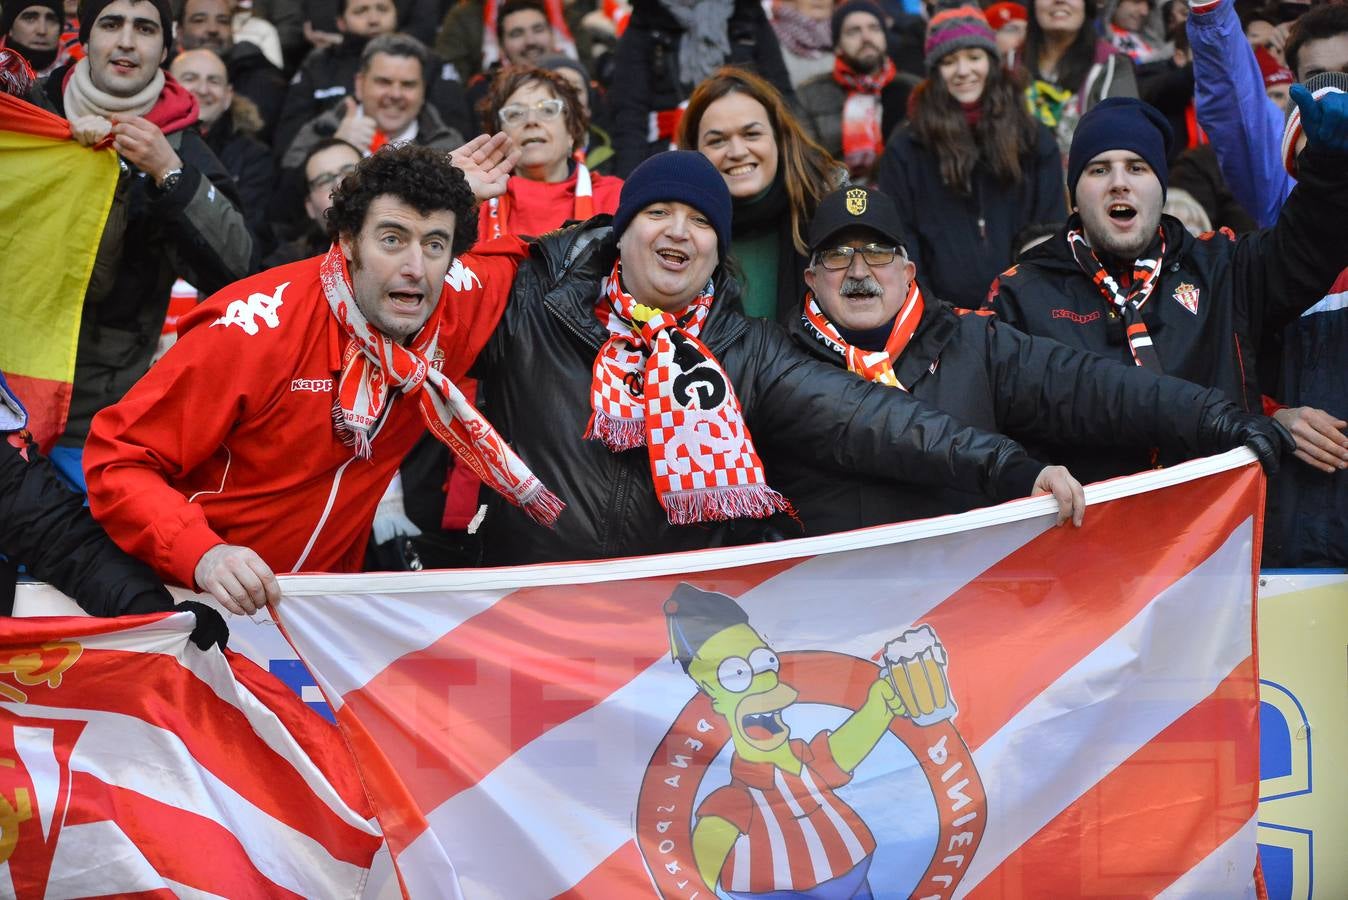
(855, 207)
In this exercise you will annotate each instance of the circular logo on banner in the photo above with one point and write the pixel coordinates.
(827, 774)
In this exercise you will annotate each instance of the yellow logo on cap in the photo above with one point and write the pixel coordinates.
(856, 201)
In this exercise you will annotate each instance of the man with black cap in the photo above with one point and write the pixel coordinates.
(32, 28)
(852, 109)
(623, 373)
(174, 214)
(865, 313)
(1130, 284)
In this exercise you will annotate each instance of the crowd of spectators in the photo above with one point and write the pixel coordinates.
(1012, 157)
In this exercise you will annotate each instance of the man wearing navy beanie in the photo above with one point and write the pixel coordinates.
(627, 378)
(1129, 283)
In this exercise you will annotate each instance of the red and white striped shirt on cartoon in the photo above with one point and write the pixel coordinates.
(795, 833)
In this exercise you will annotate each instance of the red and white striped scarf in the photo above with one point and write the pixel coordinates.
(873, 365)
(372, 363)
(863, 138)
(656, 384)
(1127, 305)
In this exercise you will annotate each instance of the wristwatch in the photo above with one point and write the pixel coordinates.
(170, 180)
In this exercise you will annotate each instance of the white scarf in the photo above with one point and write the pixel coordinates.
(84, 98)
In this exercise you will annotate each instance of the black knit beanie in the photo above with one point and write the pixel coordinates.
(10, 12)
(1120, 123)
(682, 176)
(90, 9)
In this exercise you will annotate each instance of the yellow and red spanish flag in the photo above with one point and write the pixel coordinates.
(54, 200)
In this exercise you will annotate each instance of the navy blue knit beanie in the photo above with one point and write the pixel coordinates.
(683, 176)
(1120, 123)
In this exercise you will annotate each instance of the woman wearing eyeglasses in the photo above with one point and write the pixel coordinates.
(542, 113)
(970, 168)
(776, 174)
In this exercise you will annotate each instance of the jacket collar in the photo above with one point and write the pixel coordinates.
(1055, 254)
(934, 330)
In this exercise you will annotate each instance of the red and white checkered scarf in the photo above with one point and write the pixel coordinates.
(656, 384)
(372, 363)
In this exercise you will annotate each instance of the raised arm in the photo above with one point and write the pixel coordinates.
(1244, 126)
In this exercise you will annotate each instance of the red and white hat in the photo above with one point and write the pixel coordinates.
(1324, 83)
(999, 14)
(1274, 72)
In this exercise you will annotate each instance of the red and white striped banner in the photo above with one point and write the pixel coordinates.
(1076, 708)
(133, 763)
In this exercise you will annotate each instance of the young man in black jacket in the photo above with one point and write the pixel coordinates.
(1130, 284)
(865, 313)
(46, 528)
(175, 212)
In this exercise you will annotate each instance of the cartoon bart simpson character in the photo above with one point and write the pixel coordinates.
(778, 829)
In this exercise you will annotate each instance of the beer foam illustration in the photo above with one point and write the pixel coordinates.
(912, 643)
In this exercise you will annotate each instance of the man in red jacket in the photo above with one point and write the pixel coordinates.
(263, 441)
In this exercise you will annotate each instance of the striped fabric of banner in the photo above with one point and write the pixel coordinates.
(1077, 708)
(55, 196)
(132, 762)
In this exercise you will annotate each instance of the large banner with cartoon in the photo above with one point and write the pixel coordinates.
(982, 705)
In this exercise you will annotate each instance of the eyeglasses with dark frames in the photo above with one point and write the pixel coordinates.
(836, 258)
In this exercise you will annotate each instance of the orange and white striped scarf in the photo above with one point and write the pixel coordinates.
(873, 365)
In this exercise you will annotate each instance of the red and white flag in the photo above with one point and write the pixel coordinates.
(133, 763)
(981, 705)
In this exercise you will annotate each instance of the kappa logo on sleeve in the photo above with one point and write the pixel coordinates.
(245, 313)
(460, 277)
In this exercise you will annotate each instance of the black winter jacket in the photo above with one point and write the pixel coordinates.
(961, 243)
(647, 60)
(987, 375)
(46, 527)
(1241, 292)
(329, 74)
(535, 384)
(253, 76)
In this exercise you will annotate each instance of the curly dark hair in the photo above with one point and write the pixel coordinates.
(511, 78)
(422, 178)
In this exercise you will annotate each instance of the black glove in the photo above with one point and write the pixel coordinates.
(1263, 435)
(211, 628)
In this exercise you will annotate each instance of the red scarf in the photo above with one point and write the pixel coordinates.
(656, 384)
(872, 365)
(863, 139)
(373, 363)
(1126, 304)
(498, 209)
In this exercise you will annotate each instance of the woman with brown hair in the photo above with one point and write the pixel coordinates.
(970, 168)
(776, 175)
(542, 113)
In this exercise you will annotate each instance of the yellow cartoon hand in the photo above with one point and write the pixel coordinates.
(884, 691)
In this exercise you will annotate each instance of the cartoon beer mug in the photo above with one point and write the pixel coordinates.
(915, 665)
